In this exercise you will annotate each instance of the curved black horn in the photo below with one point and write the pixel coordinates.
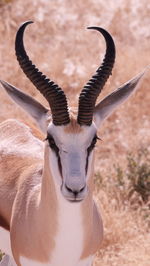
(92, 89)
(53, 94)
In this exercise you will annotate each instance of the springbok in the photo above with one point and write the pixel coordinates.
(47, 212)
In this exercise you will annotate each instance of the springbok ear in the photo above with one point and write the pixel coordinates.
(31, 106)
(106, 107)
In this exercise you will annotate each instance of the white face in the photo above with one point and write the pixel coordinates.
(71, 152)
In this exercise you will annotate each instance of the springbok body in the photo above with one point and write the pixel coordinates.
(47, 212)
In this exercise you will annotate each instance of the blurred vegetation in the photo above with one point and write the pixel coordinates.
(129, 186)
(1, 255)
(135, 179)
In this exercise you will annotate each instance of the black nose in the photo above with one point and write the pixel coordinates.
(74, 191)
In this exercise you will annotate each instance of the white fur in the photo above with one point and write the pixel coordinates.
(7, 261)
(69, 239)
(27, 262)
(5, 246)
(5, 241)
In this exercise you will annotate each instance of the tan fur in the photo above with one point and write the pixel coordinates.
(12, 165)
(73, 126)
(35, 131)
(44, 218)
(4, 223)
(20, 188)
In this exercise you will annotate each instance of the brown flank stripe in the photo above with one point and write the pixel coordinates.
(4, 223)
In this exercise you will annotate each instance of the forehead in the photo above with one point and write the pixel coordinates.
(71, 131)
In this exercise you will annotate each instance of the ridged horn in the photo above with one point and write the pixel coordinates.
(92, 89)
(51, 91)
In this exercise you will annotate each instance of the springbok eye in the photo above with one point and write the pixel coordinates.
(54, 147)
(52, 143)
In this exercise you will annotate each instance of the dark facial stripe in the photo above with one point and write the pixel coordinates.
(87, 162)
(59, 165)
(4, 223)
(54, 148)
(89, 150)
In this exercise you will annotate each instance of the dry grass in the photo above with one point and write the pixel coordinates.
(61, 47)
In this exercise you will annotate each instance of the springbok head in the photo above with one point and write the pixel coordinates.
(71, 138)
